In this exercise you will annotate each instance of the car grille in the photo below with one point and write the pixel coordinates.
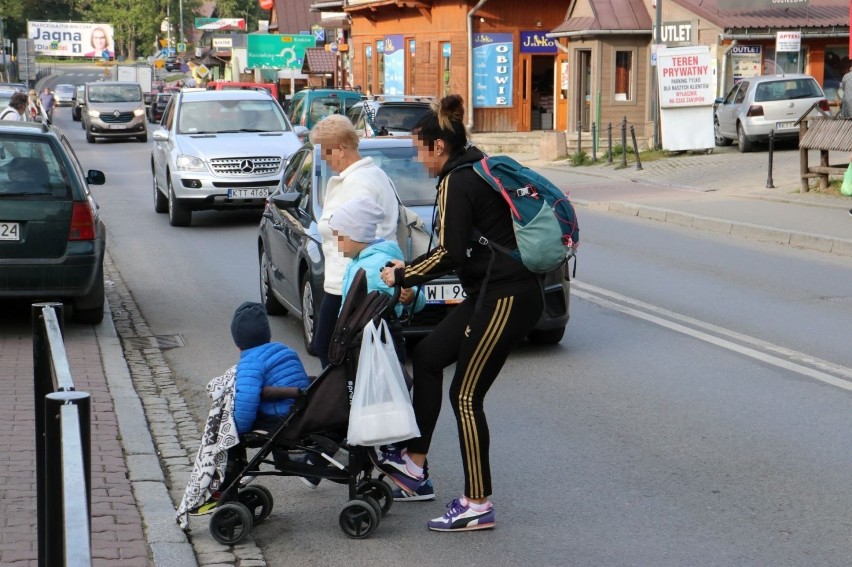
(111, 118)
(246, 166)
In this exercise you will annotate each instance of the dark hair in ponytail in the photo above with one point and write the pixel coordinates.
(445, 121)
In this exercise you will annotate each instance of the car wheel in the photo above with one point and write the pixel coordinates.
(89, 309)
(744, 144)
(143, 138)
(161, 202)
(720, 139)
(179, 214)
(267, 297)
(309, 312)
(546, 336)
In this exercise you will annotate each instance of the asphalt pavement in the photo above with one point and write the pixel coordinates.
(132, 504)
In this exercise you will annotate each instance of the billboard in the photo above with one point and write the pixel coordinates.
(72, 39)
(278, 51)
(493, 69)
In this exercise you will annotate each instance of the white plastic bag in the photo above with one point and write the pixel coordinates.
(381, 411)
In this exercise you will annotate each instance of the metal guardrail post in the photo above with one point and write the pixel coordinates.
(579, 136)
(594, 145)
(609, 141)
(43, 385)
(624, 142)
(635, 148)
(769, 184)
(67, 460)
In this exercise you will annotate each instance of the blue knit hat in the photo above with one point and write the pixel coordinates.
(250, 326)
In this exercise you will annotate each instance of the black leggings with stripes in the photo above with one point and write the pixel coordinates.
(479, 343)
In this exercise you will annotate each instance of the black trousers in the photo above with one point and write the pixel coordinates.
(479, 343)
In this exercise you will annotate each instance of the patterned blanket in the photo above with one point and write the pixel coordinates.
(220, 434)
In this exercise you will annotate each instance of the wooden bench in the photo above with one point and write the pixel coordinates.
(825, 135)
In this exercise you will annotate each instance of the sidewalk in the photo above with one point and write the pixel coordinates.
(132, 512)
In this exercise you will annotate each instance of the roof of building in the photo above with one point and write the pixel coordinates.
(295, 16)
(817, 14)
(318, 61)
(609, 15)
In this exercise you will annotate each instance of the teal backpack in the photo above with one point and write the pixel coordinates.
(543, 218)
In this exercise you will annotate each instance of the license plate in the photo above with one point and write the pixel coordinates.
(248, 193)
(785, 125)
(117, 126)
(10, 231)
(444, 293)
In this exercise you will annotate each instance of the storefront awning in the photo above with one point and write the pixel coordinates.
(611, 17)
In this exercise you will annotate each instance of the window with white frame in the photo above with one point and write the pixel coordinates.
(624, 76)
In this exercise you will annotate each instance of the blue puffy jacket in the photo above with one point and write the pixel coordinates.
(270, 364)
(373, 259)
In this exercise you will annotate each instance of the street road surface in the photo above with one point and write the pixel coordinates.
(697, 412)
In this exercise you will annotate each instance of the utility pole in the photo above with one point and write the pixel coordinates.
(182, 38)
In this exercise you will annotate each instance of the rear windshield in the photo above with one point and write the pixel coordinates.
(115, 93)
(787, 89)
(326, 106)
(228, 116)
(399, 117)
(30, 166)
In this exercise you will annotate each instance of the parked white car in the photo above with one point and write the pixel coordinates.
(756, 105)
(219, 150)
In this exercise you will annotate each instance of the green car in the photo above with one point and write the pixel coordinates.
(309, 106)
(52, 239)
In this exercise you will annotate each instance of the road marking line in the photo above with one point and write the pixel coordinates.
(841, 376)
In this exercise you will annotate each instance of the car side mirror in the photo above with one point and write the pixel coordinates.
(160, 135)
(719, 100)
(289, 201)
(95, 177)
(301, 132)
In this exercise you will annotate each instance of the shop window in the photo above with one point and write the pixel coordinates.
(409, 67)
(368, 67)
(836, 65)
(623, 75)
(785, 62)
(446, 52)
(380, 60)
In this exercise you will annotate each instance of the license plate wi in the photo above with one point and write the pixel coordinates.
(248, 193)
(785, 125)
(118, 126)
(444, 293)
(10, 231)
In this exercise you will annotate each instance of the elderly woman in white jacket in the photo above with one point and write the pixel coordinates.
(356, 177)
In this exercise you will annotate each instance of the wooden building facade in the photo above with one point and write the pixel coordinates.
(497, 56)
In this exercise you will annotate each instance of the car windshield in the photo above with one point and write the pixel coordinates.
(786, 90)
(228, 116)
(325, 106)
(64, 89)
(114, 93)
(5, 97)
(401, 118)
(30, 166)
(414, 184)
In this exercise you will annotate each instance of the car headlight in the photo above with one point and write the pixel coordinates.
(139, 112)
(94, 113)
(189, 163)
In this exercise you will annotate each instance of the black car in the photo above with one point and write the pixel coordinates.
(388, 115)
(52, 239)
(77, 100)
(290, 253)
(158, 106)
(173, 63)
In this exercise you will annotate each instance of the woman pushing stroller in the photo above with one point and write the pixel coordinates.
(504, 301)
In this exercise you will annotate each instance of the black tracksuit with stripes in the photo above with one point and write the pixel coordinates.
(477, 340)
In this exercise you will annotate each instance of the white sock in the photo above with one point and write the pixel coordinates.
(412, 466)
(474, 506)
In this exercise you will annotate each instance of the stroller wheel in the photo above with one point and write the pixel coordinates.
(230, 523)
(358, 519)
(374, 503)
(258, 500)
(378, 491)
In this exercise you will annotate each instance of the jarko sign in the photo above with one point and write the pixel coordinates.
(685, 77)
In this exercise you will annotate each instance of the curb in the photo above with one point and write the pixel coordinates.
(168, 544)
(807, 241)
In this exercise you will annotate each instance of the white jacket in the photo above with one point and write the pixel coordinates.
(361, 179)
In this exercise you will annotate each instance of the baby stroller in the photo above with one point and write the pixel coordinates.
(306, 442)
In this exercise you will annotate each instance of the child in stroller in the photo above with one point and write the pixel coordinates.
(316, 427)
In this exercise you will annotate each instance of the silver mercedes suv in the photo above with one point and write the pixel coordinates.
(219, 150)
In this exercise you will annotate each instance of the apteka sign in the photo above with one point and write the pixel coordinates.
(685, 77)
